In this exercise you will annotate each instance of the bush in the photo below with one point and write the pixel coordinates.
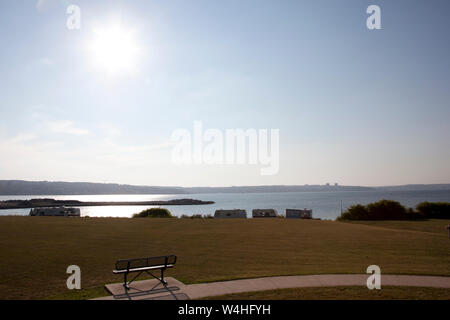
(355, 212)
(381, 210)
(154, 213)
(434, 210)
(414, 215)
(387, 210)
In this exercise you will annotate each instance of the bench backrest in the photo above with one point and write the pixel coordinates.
(127, 264)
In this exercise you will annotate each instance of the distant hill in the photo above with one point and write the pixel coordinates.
(19, 187)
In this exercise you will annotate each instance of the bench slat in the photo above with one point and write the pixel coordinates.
(143, 268)
(142, 264)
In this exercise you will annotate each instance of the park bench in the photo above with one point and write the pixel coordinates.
(141, 265)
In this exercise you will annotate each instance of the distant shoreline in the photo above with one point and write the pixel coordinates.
(41, 203)
(49, 188)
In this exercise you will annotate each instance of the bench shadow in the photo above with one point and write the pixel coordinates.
(179, 296)
(152, 292)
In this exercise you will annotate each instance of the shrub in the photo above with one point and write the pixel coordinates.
(434, 210)
(387, 210)
(154, 213)
(414, 215)
(381, 210)
(355, 212)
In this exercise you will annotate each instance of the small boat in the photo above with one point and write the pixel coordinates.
(56, 212)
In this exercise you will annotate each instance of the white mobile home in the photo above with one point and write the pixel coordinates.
(264, 213)
(298, 213)
(56, 212)
(230, 214)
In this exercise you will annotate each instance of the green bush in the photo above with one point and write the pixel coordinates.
(154, 213)
(387, 210)
(355, 212)
(434, 210)
(414, 215)
(381, 210)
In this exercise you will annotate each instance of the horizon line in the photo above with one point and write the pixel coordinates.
(232, 186)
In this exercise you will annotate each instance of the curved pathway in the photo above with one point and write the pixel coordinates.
(151, 289)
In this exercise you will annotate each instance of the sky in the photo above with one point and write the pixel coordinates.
(100, 104)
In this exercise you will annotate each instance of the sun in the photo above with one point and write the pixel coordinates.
(114, 49)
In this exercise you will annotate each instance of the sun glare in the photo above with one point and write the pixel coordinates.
(114, 49)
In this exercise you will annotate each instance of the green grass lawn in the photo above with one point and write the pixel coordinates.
(35, 251)
(433, 226)
(343, 293)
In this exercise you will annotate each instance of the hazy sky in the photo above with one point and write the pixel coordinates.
(353, 106)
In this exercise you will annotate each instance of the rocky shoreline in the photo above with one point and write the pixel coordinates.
(40, 203)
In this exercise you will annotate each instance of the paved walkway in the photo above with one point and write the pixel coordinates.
(176, 290)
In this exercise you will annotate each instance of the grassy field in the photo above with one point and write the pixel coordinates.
(433, 226)
(35, 251)
(343, 293)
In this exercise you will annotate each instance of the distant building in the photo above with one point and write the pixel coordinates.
(230, 214)
(298, 214)
(336, 184)
(264, 213)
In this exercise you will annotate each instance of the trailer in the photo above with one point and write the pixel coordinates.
(55, 212)
(299, 213)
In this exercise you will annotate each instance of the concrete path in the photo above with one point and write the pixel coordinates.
(176, 290)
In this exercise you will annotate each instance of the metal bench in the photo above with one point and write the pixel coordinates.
(141, 265)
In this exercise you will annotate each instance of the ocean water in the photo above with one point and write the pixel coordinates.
(325, 205)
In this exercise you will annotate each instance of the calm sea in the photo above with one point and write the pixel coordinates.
(325, 205)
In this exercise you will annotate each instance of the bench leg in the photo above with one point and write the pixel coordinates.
(162, 278)
(125, 284)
